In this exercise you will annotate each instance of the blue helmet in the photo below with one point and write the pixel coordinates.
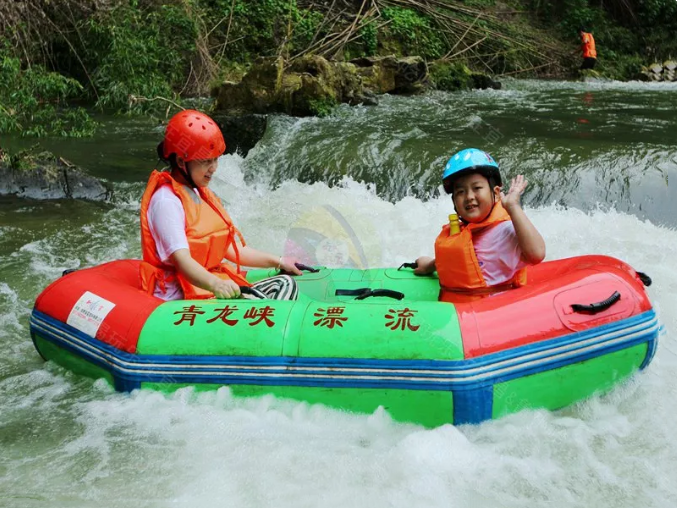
(470, 160)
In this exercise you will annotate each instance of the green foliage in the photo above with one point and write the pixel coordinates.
(415, 32)
(369, 37)
(619, 66)
(137, 52)
(304, 26)
(658, 12)
(480, 3)
(148, 48)
(261, 27)
(367, 44)
(578, 14)
(625, 32)
(33, 101)
(229, 71)
(322, 107)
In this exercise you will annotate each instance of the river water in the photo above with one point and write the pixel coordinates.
(601, 159)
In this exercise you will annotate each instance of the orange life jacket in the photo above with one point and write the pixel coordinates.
(209, 230)
(588, 46)
(461, 277)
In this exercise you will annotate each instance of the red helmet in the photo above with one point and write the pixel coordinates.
(193, 136)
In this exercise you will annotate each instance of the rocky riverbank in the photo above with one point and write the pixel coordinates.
(667, 71)
(43, 175)
(312, 85)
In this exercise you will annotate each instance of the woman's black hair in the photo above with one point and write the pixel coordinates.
(171, 160)
(173, 164)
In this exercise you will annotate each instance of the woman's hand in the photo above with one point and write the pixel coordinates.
(512, 199)
(426, 265)
(224, 288)
(289, 265)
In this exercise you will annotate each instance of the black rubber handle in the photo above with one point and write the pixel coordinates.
(362, 293)
(646, 280)
(413, 266)
(69, 270)
(594, 308)
(351, 292)
(245, 290)
(388, 293)
(302, 267)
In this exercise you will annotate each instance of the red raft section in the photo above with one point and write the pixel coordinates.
(546, 307)
(543, 309)
(117, 282)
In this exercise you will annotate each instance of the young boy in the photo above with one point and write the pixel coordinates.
(497, 241)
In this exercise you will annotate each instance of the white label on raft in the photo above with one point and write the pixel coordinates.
(89, 312)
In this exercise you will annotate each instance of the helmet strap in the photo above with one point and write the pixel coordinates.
(185, 174)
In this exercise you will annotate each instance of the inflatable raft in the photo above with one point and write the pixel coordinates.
(360, 339)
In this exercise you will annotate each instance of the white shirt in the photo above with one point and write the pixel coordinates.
(167, 224)
(498, 253)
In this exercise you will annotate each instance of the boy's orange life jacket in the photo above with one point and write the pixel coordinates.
(461, 277)
(588, 46)
(209, 231)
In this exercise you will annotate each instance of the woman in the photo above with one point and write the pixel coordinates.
(185, 231)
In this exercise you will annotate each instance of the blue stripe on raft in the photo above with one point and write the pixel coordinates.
(472, 366)
(651, 350)
(478, 374)
(126, 385)
(473, 406)
(522, 353)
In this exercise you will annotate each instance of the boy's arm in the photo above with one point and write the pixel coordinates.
(530, 241)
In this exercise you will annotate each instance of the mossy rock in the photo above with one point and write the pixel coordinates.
(377, 76)
(256, 92)
(411, 75)
(484, 81)
(291, 84)
(266, 73)
(656, 68)
(42, 175)
(450, 77)
(320, 86)
(389, 74)
(315, 66)
(230, 96)
(316, 96)
(311, 85)
(591, 74)
(352, 89)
